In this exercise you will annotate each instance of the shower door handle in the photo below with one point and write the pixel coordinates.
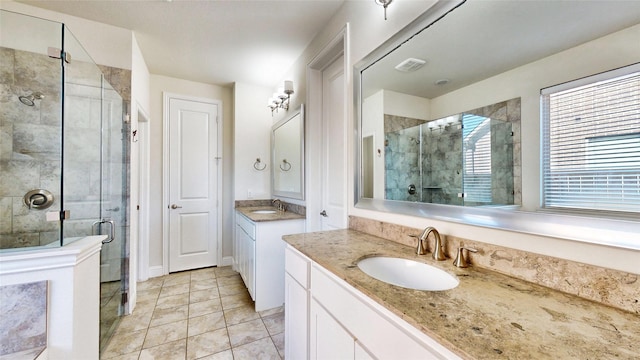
(112, 227)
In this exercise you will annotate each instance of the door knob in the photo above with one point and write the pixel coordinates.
(324, 213)
(174, 206)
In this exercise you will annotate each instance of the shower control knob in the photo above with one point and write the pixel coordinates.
(174, 206)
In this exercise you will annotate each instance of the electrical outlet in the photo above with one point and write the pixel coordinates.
(249, 194)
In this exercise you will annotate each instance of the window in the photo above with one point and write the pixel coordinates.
(591, 142)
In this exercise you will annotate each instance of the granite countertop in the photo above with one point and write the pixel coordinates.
(276, 216)
(489, 315)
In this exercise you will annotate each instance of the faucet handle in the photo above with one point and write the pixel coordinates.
(420, 249)
(460, 261)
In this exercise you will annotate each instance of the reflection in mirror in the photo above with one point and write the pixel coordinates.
(420, 142)
(287, 151)
(466, 159)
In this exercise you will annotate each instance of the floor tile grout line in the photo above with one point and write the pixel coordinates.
(224, 310)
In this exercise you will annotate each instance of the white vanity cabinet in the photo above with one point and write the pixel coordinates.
(296, 299)
(245, 252)
(344, 323)
(259, 257)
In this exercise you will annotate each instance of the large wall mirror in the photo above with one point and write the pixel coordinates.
(287, 152)
(442, 107)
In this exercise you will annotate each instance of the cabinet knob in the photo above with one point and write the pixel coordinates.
(324, 213)
(174, 206)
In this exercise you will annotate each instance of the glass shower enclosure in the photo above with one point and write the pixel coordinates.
(64, 151)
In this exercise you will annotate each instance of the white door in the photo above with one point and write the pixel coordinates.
(193, 184)
(334, 148)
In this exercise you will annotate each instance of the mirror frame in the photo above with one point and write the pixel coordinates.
(596, 230)
(288, 194)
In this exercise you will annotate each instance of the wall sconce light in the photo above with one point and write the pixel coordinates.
(280, 99)
(384, 3)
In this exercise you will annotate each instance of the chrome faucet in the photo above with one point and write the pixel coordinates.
(420, 248)
(460, 260)
(437, 252)
(280, 205)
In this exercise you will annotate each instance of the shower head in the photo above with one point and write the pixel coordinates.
(30, 100)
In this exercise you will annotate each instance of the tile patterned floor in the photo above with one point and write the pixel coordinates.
(200, 314)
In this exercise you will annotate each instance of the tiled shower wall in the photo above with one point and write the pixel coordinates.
(30, 150)
(402, 164)
(442, 165)
(31, 138)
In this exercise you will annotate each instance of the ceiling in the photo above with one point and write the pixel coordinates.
(212, 41)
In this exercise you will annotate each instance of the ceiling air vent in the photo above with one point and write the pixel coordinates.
(411, 64)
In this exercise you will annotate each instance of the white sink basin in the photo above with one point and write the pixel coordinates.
(264, 212)
(407, 273)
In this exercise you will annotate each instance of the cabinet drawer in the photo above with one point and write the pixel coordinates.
(246, 225)
(376, 328)
(297, 265)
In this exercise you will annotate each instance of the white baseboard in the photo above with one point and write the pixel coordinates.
(155, 271)
(227, 261)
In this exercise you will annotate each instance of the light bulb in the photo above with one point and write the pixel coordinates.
(288, 87)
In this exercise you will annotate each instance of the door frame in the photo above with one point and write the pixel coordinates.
(144, 126)
(338, 46)
(166, 98)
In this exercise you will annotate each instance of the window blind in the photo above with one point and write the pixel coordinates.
(476, 133)
(591, 143)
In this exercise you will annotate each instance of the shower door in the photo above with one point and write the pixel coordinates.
(113, 211)
(94, 175)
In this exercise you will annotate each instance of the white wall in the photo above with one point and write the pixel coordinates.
(373, 112)
(252, 140)
(369, 30)
(139, 103)
(399, 104)
(158, 85)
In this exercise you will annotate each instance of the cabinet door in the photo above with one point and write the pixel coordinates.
(246, 259)
(329, 340)
(251, 267)
(240, 253)
(381, 332)
(296, 319)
